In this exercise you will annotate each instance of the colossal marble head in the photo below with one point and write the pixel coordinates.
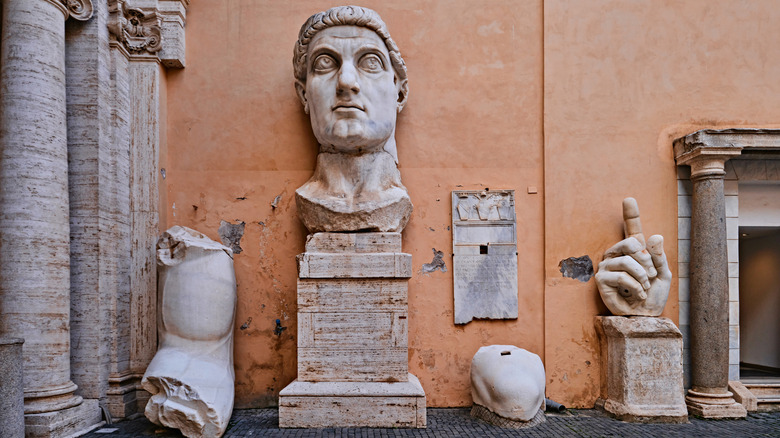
(351, 79)
(352, 82)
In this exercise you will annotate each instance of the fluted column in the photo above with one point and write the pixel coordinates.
(709, 289)
(34, 224)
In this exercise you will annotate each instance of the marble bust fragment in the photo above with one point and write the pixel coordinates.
(191, 378)
(352, 82)
(507, 383)
(634, 278)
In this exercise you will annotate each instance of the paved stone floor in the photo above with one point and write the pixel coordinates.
(458, 423)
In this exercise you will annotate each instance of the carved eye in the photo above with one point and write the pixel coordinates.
(371, 63)
(324, 63)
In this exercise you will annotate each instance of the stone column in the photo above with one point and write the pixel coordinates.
(143, 37)
(709, 312)
(34, 222)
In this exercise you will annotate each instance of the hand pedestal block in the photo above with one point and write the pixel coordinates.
(352, 336)
(641, 369)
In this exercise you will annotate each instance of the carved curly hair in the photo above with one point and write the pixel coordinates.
(344, 16)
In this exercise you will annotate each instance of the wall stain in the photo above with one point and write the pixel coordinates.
(578, 268)
(231, 235)
(436, 264)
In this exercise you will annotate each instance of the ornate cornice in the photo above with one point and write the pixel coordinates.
(707, 150)
(139, 32)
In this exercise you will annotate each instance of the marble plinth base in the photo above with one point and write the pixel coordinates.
(74, 421)
(484, 414)
(353, 368)
(641, 369)
(353, 404)
(709, 405)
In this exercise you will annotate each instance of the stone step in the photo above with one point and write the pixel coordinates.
(353, 404)
(767, 394)
(764, 389)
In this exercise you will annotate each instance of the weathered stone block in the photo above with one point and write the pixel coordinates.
(641, 369)
(353, 404)
(352, 330)
(352, 365)
(352, 295)
(354, 265)
(74, 421)
(353, 242)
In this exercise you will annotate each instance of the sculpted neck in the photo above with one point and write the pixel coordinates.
(363, 149)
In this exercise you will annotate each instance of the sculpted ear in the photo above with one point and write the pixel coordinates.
(403, 94)
(300, 88)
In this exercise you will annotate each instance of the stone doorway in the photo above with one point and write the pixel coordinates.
(736, 173)
(759, 303)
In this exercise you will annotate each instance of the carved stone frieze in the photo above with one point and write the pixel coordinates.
(138, 31)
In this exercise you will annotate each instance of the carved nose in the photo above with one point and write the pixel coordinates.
(348, 79)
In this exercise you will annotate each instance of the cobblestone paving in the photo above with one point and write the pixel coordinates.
(458, 423)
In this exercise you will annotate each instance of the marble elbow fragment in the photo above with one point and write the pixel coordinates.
(191, 378)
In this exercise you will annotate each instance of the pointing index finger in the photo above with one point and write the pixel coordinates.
(631, 223)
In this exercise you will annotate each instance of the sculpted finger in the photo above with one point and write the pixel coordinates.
(633, 248)
(629, 265)
(631, 222)
(624, 247)
(655, 246)
(625, 284)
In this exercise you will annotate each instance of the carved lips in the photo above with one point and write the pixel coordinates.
(347, 107)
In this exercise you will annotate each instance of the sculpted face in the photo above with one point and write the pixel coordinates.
(351, 91)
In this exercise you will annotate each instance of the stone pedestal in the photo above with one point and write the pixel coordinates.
(352, 336)
(641, 369)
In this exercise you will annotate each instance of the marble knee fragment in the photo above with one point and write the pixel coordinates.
(191, 378)
(509, 382)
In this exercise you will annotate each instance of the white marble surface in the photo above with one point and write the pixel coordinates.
(191, 378)
(508, 381)
(634, 277)
(352, 82)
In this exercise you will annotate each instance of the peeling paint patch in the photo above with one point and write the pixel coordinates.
(245, 325)
(578, 268)
(231, 235)
(276, 201)
(436, 264)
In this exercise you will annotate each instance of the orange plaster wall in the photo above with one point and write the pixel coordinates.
(622, 80)
(236, 130)
(578, 99)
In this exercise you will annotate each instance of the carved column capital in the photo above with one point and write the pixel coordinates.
(706, 151)
(708, 162)
(80, 10)
(135, 30)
